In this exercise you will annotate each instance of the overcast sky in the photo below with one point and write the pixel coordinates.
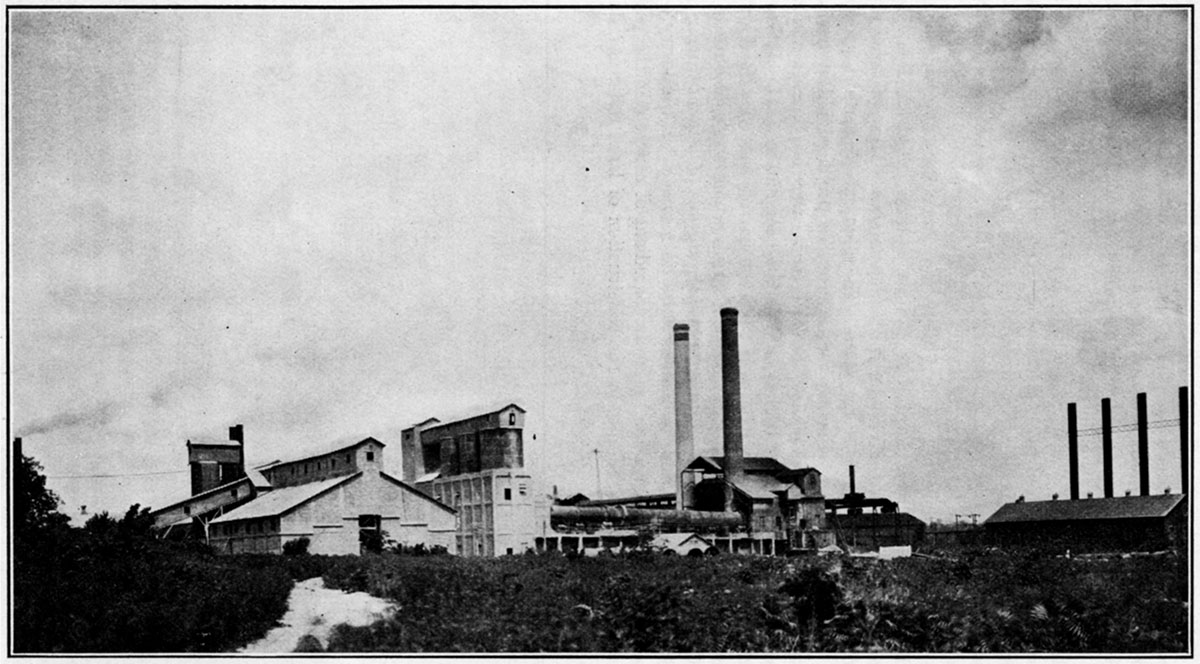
(939, 227)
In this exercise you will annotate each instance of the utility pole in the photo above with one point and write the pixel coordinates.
(597, 453)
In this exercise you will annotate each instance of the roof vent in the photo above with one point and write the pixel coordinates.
(1128, 493)
(1167, 490)
(1054, 497)
(1089, 494)
(1020, 499)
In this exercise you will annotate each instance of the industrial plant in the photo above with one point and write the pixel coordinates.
(1146, 521)
(464, 487)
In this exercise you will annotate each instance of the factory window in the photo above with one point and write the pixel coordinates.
(370, 455)
(778, 523)
(347, 458)
(233, 492)
(332, 463)
(507, 494)
(370, 521)
(187, 510)
(521, 489)
(512, 419)
(509, 549)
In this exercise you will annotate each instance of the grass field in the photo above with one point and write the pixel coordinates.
(81, 594)
(983, 602)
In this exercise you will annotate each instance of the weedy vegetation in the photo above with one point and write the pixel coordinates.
(112, 587)
(986, 601)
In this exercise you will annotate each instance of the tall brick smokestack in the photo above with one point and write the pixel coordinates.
(1073, 450)
(1143, 446)
(731, 401)
(1183, 439)
(1106, 431)
(685, 450)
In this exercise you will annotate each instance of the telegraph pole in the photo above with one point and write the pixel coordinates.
(597, 453)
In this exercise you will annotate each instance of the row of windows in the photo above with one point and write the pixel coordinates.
(247, 527)
(318, 466)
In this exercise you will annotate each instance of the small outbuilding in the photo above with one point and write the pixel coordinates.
(683, 544)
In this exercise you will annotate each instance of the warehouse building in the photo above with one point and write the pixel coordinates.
(862, 523)
(332, 499)
(1128, 523)
(1143, 522)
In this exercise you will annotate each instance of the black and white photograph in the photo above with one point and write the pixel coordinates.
(613, 330)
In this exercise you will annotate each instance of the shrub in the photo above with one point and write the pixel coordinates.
(296, 547)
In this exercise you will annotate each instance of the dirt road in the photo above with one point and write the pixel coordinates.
(314, 610)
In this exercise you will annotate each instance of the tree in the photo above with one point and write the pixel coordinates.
(35, 508)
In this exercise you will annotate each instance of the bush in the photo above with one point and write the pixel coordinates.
(87, 594)
(296, 547)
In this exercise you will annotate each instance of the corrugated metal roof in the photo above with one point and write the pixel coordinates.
(1125, 507)
(339, 445)
(257, 478)
(213, 442)
(479, 411)
(760, 487)
(279, 501)
(750, 464)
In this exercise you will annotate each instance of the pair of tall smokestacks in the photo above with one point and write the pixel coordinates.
(1143, 445)
(731, 404)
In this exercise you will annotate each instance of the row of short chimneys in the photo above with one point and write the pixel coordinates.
(731, 406)
(1143, 445)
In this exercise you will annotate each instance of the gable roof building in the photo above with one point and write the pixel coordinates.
(330, 498)
(1128, 523)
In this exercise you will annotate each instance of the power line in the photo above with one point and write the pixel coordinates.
(76, 477)
(1156, 424)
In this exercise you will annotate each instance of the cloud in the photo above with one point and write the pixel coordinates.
(981, 54)
(97, 416)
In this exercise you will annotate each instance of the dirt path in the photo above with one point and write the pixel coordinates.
(314, 610)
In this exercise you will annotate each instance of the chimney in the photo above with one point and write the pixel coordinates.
(731, 402)
(236, 433)
(685, 450)
(1183, 439)
(1143, 447)
(1073, 450)
(852, 478)
(1106, 424)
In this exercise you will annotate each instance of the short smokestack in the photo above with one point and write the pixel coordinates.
(1183, 439)
(1073, 450)
(685, 450)
(1106, 427)
(1143, 446)
(731, 401)
(236, 433)
(851, 479)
